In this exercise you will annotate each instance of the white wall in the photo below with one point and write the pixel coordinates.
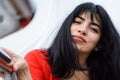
(46, 22)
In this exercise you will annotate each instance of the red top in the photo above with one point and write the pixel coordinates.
(39, 66)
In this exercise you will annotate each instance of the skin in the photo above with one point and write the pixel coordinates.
(86, 34)
(20, 66)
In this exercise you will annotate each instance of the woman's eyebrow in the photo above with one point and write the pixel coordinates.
(80, 17)
(91, 22)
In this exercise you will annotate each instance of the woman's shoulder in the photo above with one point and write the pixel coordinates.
(38, 62)
(37, 54)
(37, 51)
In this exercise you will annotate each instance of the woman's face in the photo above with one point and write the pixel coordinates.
(86, 33)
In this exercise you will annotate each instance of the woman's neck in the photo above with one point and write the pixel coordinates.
(82, 60)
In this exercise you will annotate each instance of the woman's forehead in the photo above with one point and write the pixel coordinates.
(93, 17)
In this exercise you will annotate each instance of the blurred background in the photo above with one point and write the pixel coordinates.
(14, 15)
(31, 24)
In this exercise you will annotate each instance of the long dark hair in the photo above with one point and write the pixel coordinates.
(103, 64)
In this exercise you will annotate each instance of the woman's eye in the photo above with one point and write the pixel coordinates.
(95, 30)
(78, 22)
(95, 27)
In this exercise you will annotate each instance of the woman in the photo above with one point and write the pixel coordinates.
(85, 48)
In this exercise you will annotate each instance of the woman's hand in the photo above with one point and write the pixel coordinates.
(19, 65)
(17, 62)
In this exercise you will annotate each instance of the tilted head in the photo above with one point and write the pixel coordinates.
(64, 51)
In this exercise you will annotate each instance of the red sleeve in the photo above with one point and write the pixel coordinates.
(38, 65)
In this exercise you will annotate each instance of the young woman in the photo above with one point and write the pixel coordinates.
(85, 48)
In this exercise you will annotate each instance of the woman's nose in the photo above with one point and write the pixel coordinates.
(83, 30)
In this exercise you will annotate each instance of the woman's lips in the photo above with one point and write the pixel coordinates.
(79, 38)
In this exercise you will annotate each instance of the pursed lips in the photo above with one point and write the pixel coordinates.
(78, 38)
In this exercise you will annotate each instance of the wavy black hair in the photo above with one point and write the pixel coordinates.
(103, 64)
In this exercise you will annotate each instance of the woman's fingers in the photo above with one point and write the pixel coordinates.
(8, 52)
(17, 62)
(20, 64)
